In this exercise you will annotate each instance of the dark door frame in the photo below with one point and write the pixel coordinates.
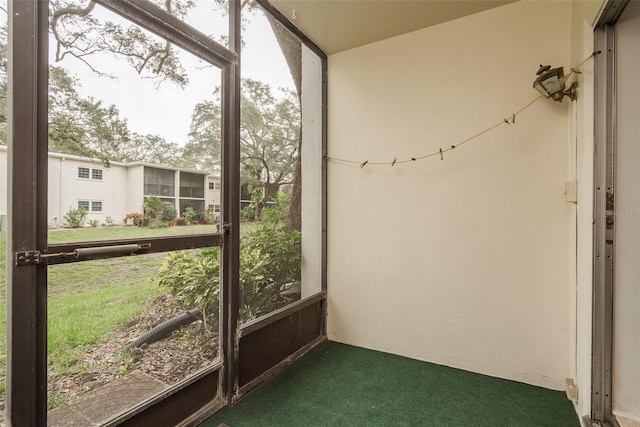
(26, 398)
(604, 216)
(27, 220)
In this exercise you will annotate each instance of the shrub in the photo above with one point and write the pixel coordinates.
(193, 280)
(188, 214)
(282, 247)
(269, 258)
(75, 218)
(151, 209)
(109, 221)
(93, 223)
(210, 217)
(277, 212)
(251, 212)
(135, 218)
(169, 212)
(156, 210)
(248, 213)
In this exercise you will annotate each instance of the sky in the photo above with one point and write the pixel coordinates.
(166, 110)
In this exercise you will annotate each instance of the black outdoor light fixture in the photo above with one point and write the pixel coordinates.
(550, 83)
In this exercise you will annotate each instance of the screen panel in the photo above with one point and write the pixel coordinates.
(281, 167)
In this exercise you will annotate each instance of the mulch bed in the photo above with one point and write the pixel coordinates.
(169, 360)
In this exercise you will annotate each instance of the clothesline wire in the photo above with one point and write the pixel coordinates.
(441, 151)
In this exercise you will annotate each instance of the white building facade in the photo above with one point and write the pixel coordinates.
(117, 189)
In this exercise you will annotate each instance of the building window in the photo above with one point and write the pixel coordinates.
(191, 185)
(83, 173)
(90, 206)
(87, 173)
(196, 205)
(213, 185)
(159, 182)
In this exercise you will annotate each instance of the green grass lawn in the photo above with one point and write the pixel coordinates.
(87, 300)
(66, 235)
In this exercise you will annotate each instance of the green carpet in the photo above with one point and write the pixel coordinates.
(341, 385)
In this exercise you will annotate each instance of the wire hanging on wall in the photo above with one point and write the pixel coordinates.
(505, 121)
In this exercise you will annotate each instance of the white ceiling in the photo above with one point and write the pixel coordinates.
(337, 25)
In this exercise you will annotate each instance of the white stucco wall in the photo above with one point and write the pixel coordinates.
(212, 197)
(55, 209)
(135, 189)
(120, 190)
(65, 189)
(462, 262)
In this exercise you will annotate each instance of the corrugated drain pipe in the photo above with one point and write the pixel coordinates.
(165, 328)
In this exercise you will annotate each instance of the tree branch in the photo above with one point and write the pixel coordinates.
(59, 13)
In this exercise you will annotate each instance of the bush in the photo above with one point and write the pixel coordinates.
(150, 210)
(188, 214)
(269, 258)
(277, 212)
(155, 210)
(168, 213)
(193, 280)
(75, 218)
(109, 221)
(283, 248)
(135, 218)
(210, 217)
(94, 223)
(251, 212)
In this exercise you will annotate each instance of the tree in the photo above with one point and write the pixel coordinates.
(269, 137)
(203, 149)
(83, 126)
(291, 48)
(151, 149)
(79, 35)
(87, 127)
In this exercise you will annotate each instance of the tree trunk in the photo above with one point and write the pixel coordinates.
(270, 190)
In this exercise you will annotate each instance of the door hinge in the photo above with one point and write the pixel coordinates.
(28, 258)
